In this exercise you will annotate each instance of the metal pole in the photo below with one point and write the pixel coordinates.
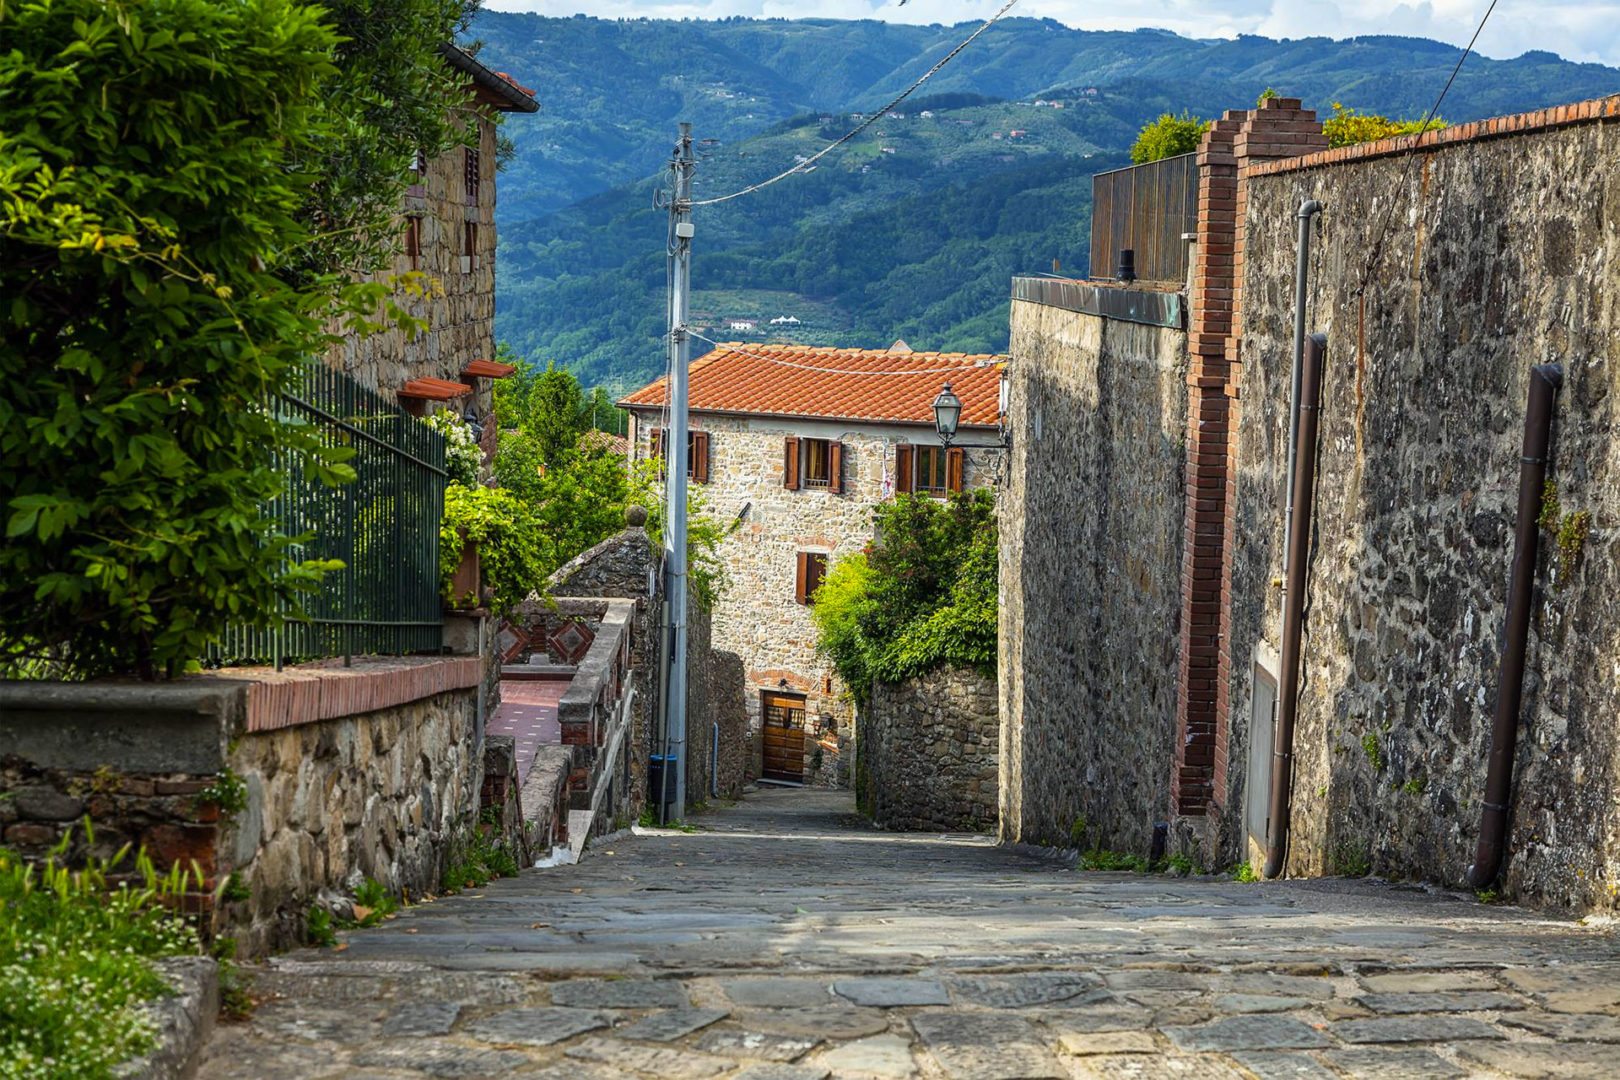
(1302, 268)
(675, 457)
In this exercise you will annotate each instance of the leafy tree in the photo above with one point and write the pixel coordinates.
(923, 595)
(151, 187)
(512, 544)
(605, 415)
(1347, 127)
(391, 95)
(1168, 136)
(548, 406)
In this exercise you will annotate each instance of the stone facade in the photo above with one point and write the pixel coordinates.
(757, 617)
(929, 751)
(1091, 553)
(1502, 253)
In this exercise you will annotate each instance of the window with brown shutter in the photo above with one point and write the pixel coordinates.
(790, 464)
(810, 572)
(904, 460)
(955, 466)
(471, 170)
(413, 240)
(835, 468)
(816, 463)
(697, 453)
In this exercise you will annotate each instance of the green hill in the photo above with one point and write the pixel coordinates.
(913, 229)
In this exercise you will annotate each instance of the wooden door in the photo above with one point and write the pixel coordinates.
(784, 737)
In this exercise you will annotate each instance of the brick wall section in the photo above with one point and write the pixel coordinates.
(1278, 129)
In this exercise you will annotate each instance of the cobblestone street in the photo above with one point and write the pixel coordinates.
(788, 941)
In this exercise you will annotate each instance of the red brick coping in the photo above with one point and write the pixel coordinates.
(326, 690)
(1579, 112)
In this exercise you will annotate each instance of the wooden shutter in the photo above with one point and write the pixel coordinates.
(801, 592)
(657, 442)
(790, 471)
(955, 466)
(700, 456)
(904, 473)
(835, 468)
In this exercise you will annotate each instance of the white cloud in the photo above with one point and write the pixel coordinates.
(1578, 31)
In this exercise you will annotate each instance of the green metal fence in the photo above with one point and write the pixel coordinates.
(383, 526)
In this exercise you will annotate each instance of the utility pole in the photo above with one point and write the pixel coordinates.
(675, 461)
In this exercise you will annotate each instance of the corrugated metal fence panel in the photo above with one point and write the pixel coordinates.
(383, 526)
(1145, 208)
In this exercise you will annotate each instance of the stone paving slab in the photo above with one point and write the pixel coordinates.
(705, 955)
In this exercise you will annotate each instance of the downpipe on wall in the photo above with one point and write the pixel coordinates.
(1297, 559)
(1545, 380)
(1302, 264)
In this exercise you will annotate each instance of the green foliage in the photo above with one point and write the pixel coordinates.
(1488, 896)
(318, 928)
(372, 903)
(1369, 747)
(1414, 786)
(228, 792)
(235, 890)
(1347, 127)
(922, 597)
(1100, 859)
(481, 856)
(547, 406)
(1266, 95)
(1077, 831)
(1350, 859)
(1551, 508)
(154, 265)
(75, 959)
(1168, 136)
(1245, 874)
(1181, 865)
(462, 455)
(1572, 535)
(390, 95)
(512, 547)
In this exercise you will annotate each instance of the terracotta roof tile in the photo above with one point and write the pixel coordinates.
(488, 369)
(835, 383)
(434, 389)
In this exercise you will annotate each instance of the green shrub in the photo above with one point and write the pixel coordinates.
(480, 857)
(1347, 127)
(1245, 873)
(1168, 136)
(512, 547)
(462, 455)
(921, 598)
(75, 959)
(149, 223)
(318, 928)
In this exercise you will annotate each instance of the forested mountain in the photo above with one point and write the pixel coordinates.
(910, 231)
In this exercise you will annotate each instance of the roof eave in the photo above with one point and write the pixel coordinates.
(507, 97)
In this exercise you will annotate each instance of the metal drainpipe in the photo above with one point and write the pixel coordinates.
(1297, 554)
(1545, 380)
(714, 763)
(1302, 263)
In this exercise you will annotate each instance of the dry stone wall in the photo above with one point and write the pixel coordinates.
(929, 751)
(1502, 253)
(757, 617)
(1091, 550)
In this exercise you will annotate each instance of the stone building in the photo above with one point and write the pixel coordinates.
(796, 445)
(1442, 269)
(445, 269)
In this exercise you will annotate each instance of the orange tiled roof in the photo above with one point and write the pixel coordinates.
(488, 369)
(434, 389)
(613, 444)
(835, 383)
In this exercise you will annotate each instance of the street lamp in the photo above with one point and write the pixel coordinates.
(947, 411)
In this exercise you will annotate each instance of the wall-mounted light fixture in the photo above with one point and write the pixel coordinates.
(947, 414)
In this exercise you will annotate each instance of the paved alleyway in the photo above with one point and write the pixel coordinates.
(786, 941)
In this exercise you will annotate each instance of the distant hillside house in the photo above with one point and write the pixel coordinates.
(799, 443)
(447, 235)
(747, 326)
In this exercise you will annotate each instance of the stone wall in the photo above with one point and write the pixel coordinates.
(284, 784)
(929, 753)
(1091, 554)
(458, 305)
(1502, 252)
(757, 617)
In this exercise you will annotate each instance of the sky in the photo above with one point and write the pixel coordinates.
(1576, 31)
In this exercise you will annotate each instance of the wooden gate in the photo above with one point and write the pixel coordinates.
(784, 737)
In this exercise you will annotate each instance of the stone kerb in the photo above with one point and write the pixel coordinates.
(587, 706)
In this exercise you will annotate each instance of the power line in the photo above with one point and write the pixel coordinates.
(868, 122)
(1411, 153)
(957, 368)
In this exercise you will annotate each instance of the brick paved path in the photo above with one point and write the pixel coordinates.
(786, 941)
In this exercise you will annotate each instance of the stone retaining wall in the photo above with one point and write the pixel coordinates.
(928, 753)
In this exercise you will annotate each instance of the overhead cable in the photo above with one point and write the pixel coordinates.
(804, 165)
